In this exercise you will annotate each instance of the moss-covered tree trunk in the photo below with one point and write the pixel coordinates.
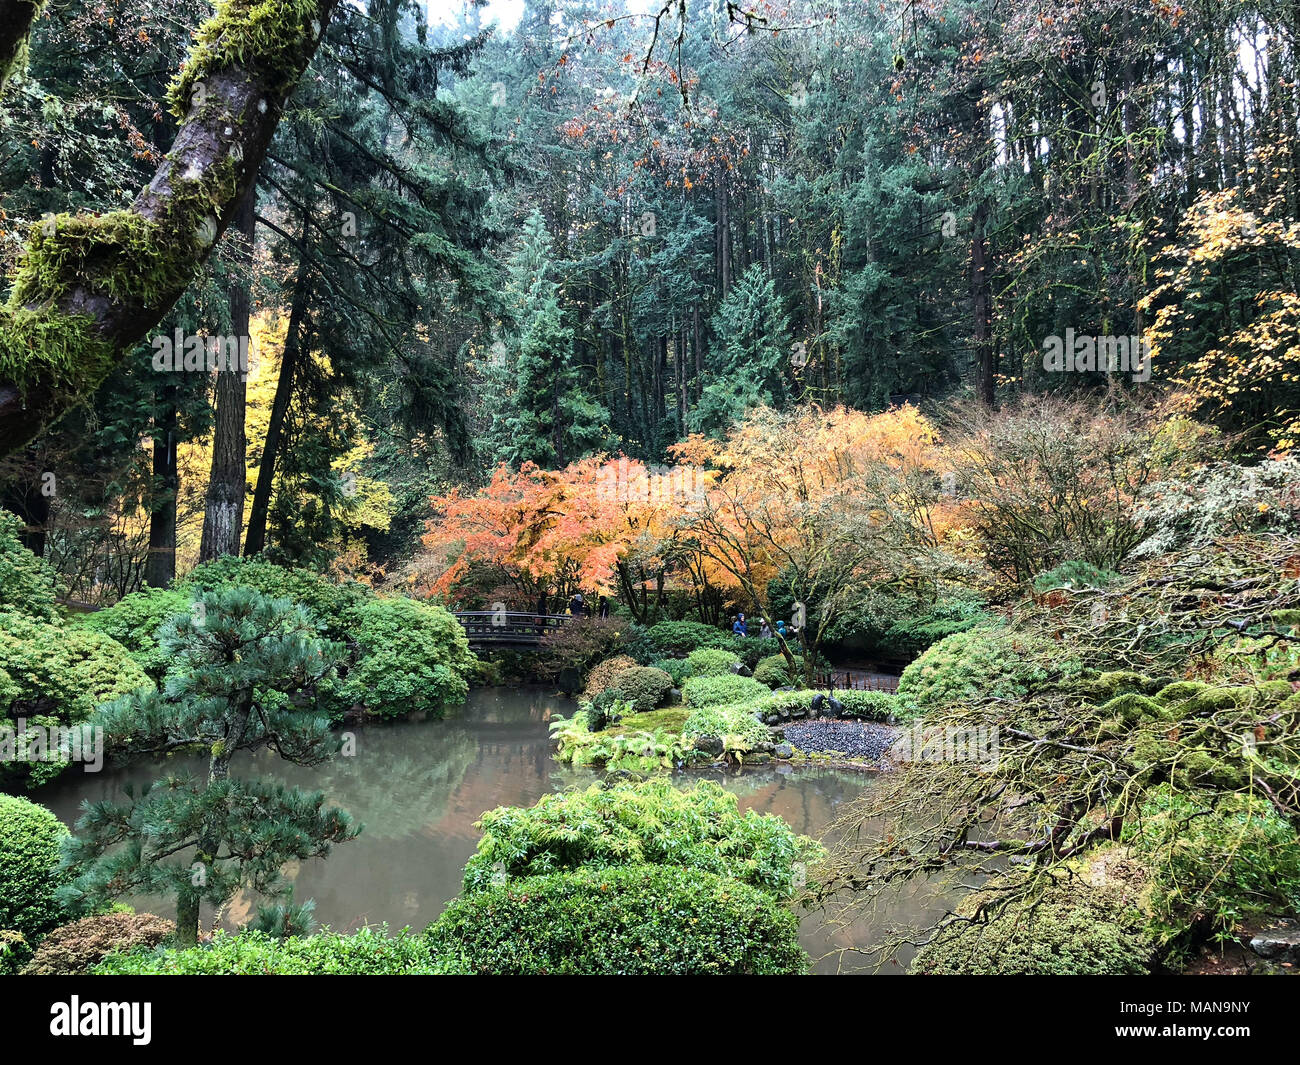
(88, 287)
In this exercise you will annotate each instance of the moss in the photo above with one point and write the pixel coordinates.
(17, 62)
(1132, 707)
(1118, 682)
(670, 719)
(121, 256)
(1095, 923)
(276, 34)
(1179, 691)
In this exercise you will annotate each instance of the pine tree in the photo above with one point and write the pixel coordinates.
(246, 675)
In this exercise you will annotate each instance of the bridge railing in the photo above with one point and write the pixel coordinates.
(488, 626)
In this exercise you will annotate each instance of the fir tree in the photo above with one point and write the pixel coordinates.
(547, 416)
(749, 356)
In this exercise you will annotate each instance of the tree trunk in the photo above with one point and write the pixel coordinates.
(255, 541)
(160, 567)
(223, 513)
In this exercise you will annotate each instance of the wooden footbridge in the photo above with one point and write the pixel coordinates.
(503, 628)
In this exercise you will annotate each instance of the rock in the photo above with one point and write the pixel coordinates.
(1278, 944)
(674, 696)
(742, 670)
(772, 718)
(784, 711)
(570, 681)
(784, 750)
(765, 748)
(709, 745)
(799, 711)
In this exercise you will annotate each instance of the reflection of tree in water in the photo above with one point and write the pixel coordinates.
(397, 788)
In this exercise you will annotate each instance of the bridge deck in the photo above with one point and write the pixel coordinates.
(508, 628)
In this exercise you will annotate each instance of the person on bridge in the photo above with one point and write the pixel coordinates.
(604, 607)
(739, 628)
(575, 605)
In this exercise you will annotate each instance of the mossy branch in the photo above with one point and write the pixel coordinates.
(16, 18)
(89, 288)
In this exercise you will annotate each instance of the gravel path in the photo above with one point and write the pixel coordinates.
(857, 739)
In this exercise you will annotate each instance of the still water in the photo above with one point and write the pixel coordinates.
(419, 787)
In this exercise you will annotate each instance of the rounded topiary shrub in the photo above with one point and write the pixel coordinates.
(674, 667)
(631, 920)
(605, 673)
(648, 822)
(414, 657)
(724, 688)
(134, 620)
(325, 600)
(78, 947)
(30, 837)
(54, 675)
(981, 663)
(644, 687)
(709, 662)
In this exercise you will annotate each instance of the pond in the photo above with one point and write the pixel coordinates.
(418, 787)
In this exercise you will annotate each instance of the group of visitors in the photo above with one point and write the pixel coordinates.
(580, 608)
(740, 627)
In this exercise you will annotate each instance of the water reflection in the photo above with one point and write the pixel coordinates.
(419, 787)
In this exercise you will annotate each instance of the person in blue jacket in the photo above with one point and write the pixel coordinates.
(739, 627)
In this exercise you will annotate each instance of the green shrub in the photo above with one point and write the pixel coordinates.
(642, 686)
(15, 952)
(27, 583)
(327, 602)
(1076, 929)
(1075, 575)
(773, 670)
(983, 663)
(604, 673)
(644, 823)
(709, 662)
(637, 919)
(733, 723)
(753, 649)
(675, 638)
(674, 667)
(867, 705)
(30, 840)
(78, 947)
(134, 620)
(52, 676)
(638, 750)
(368, 952)
(413, 657)
(725, 688)
(1214, 867)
